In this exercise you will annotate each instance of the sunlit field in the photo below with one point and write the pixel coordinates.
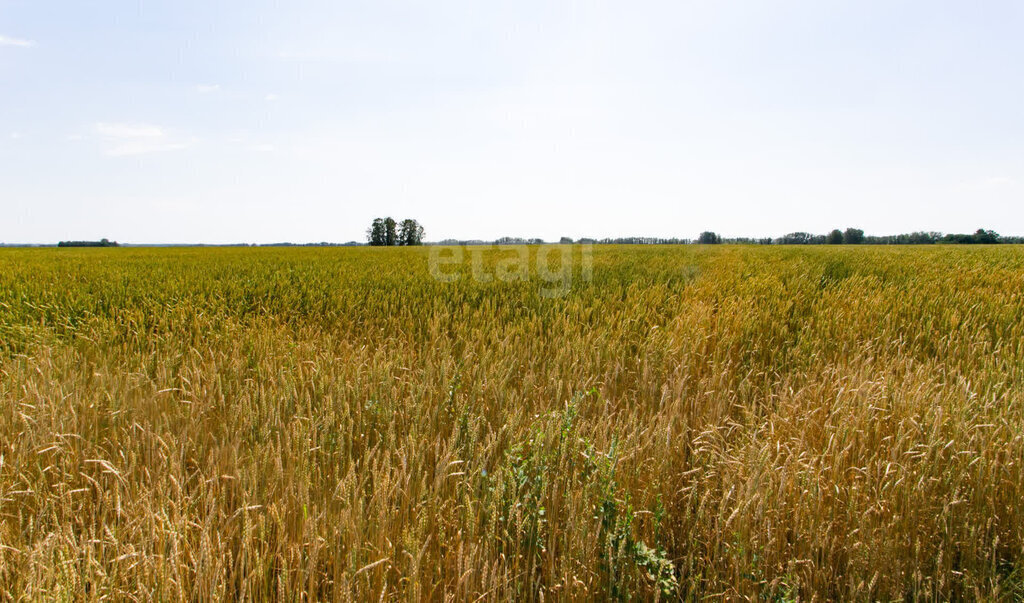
(677, 422)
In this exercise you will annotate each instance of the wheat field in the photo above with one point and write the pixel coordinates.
(681, 423)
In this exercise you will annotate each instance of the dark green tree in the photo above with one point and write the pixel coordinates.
(376, 234)
(410, 233)
(709, 238)
(986, 237)
(835, 237)
(390, 233)
(853, 236)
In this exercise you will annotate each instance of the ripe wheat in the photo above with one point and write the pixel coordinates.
(333, 424)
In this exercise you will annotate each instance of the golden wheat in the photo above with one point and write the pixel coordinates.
(335, 424)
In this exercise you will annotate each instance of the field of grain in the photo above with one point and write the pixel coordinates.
(761, 423)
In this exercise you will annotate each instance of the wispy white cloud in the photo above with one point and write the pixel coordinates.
(1000, 181)
(19, 42)
(207, 88)
(123, 139)
(271, 97)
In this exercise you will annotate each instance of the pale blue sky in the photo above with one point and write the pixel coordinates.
(301, 120)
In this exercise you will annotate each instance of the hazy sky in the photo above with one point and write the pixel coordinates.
(301, 120)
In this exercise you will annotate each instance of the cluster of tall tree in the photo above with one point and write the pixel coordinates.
(386, 231)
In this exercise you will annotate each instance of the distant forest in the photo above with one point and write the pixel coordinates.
(386, 231)
(100, 243)
(850, 236)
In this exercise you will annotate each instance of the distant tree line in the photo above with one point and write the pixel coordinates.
(100, 243)
(569, 241)
(849, 236)
(387, 232)
(285, 244)
(855, 236)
